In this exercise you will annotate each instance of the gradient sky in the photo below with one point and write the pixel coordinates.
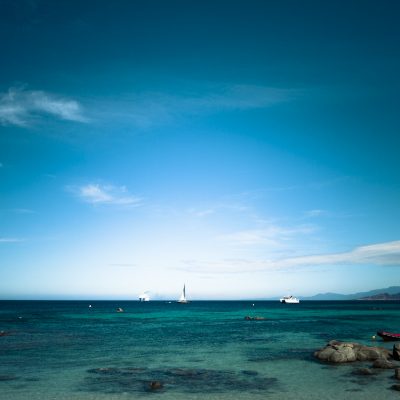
(249, 149)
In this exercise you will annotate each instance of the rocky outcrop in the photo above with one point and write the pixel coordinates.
(383, 359)
(341, 352)
(396, 352)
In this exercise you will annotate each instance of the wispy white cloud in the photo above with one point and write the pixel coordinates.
(128, 265)
(379, 254)
(22, 107)
(155, 108)
(95, 193)
(315, 213)
(202, 212)
(214, 208)
(250, 237)
(312, 185)
(10, 240)
(237, 97)
(272, 235)
(23, 211)
(387, 253)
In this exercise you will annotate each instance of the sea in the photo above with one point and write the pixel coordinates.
(201, 350)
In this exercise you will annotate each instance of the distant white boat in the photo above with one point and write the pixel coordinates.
(183, 298)
(144, 297)
(289, 300)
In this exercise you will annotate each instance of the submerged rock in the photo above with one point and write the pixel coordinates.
(383, 363)
(4, 378)
(249, 373)
(396, 386)
(363, 372)
(107, 370)
(397, 373)
(187, 372)
(190, 380)
(155, 385)
(341, 352)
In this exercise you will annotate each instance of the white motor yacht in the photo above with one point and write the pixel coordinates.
(289, 300)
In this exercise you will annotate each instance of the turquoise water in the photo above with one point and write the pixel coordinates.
(66, 350)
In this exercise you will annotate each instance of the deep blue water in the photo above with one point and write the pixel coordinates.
(204, 349)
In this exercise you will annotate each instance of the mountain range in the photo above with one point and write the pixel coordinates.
(390, 293)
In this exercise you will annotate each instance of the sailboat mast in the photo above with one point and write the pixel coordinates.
(182, 299)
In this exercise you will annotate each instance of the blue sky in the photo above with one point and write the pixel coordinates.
(247, 149)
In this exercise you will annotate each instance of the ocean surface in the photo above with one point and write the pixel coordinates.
(201, 350)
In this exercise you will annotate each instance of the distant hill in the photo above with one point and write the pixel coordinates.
(390, 291)
(328, 296)
(382, 296)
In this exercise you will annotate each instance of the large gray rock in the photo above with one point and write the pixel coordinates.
(341, 352)
(396, 351)
(337, 352)
(366, 353)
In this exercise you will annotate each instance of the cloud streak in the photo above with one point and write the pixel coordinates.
(23, 211)
(387, 253)
(155, 108)
(237, 97)
(21, 107)
(315, 213)
(10, 240)
(94, 193)
(380, 254)
(272, 235)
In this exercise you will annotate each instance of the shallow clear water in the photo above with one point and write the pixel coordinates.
(64, 350)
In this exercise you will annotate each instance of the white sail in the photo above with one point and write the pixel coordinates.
(183, 299)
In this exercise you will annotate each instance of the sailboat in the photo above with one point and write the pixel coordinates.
(183, 299)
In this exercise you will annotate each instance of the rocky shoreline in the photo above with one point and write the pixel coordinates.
(336, 352)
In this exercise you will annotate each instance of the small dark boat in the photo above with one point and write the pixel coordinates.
(388, 336)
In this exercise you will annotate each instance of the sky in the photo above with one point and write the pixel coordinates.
(247, 149)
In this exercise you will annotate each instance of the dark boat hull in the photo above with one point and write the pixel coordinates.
(388, 336)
